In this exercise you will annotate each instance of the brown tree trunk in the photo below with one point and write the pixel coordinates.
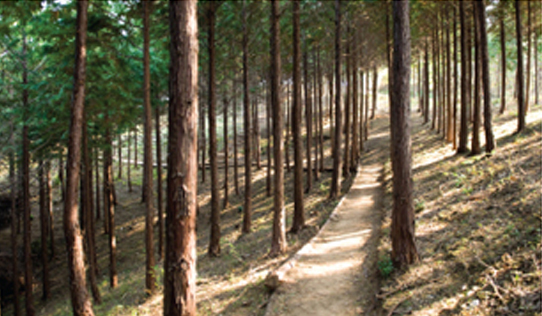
(44, 225)
(235, 159)
(159, 184)
(449, 108)
(435, 82)
(347, 100)
(288, 120)
(226, 152)
(135, 150)
(402, 228)
(61, 176)
(362, 106)
(529, 42)
(129, 164)
(148, 164)
(86, 211)
(336, 177)
(28, 275)
(320, 111)
(308, 119)
(278, 243)
(247, 211)
(81, 305)
(366, 114)
(521, 90)
(109, 207)
(426, 83)
(14, 249)
(456, 75)
(299, 212)
(97, 172)
(119, 149)
(475, 150)
(357, 117)
(268, 150)
(203, 142)
(214, 243)
(465, 86)
(503, 66)
(49, 210)
(315, 117)
(375, 90)
(484, 59)
(180, 263)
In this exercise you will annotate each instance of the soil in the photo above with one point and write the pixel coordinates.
(335, 273)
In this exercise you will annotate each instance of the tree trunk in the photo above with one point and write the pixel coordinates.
(247, 214)
(109, 207)
(129, 164)
(299, 212)
(375, 90)
(484, 59)
(528, 74)
(456, 75)
(226, 152)
(288, 120)
(347, 99)
(44, 225)
(503, 66)
(308, 118)
(357, 117)
(402, 228)
(148, 164)
(366, 115)
(257, 132)
(449, 108)
(521, 90)
(235, 159)
(61, 176)
(320, 111)
(97, 172)
(426, 83)
(180, 263)
(203, 143)
(119, 148)
(159, 184)
(81, 304)
(465, 86)
(278, 243)
(316, 136)
(49, 204)
(268, 128)
(435, 82)
(86, 211)
(28, 275)
(475, 150)
(362, 106)
(214, 244)
(336, 177)
(14, 249)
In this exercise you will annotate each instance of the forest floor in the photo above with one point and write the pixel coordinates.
(478, 223)
(336, 272)
(232, 284)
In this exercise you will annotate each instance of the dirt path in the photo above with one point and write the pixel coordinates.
(336, 273)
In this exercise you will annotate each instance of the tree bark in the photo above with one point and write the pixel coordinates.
(119, 149)
(235, 159)
(268, 150)
(180, 263)
(288, 120)
(320, 111)
(449, 107)
(278, 243)
(456, 76)
(148, 164)
(336, 177)
(475, 150)
(308, 118)
(28, 275)
(356, 117)
(214, 244)
(109, 205)
(44, 225)
(402, 228)
(375, 90)
(247, 214)
(159, 184)
(226, 153)
(81, 305)
(49, 204)
(465, 99)
(426, 83)
(203, 143)
(61, 176)
(484, 59)
(299, 212)
(521, 90)
(435, 82)
(366, 115)
(503, 66)
(347, 99)
(14, 249)
(529, 49)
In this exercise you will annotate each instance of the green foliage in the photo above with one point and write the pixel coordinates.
(385, 266)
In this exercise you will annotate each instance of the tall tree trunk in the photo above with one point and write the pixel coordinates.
(119, 148)
(465, 86)
(159, 184)
(503, 66)
(180, 263)
(362, 106)
(484, 59)
(320, 110)
(61, 176)
(388, 54)
(148, 164)
(235, 159)
(426, 82)
(257, 133)
(87, 212)
(357, 114)
(203, 142)
(109, 205)
(308, 118)
(375, 90)
(402, 228)
(247, 130)
(28, 275)
(129, 164)
(288, 120)
(299, 212)
(449, 107)
(268, 150)
(366, 115)
(475, 150)
(49, 210)
(44, 225)
(456, 75)
(435, 82)
(521, 90)
(336, 176)
(226, 152)
(81, 305)
(214, 243)
(14, 249)
(529, 42)
(347, 99)
(97, 173)
(315, 117)
(278, 243)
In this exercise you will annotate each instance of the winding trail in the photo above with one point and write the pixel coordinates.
(336, 272)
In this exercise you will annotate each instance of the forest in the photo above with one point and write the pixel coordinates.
(279, 157)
